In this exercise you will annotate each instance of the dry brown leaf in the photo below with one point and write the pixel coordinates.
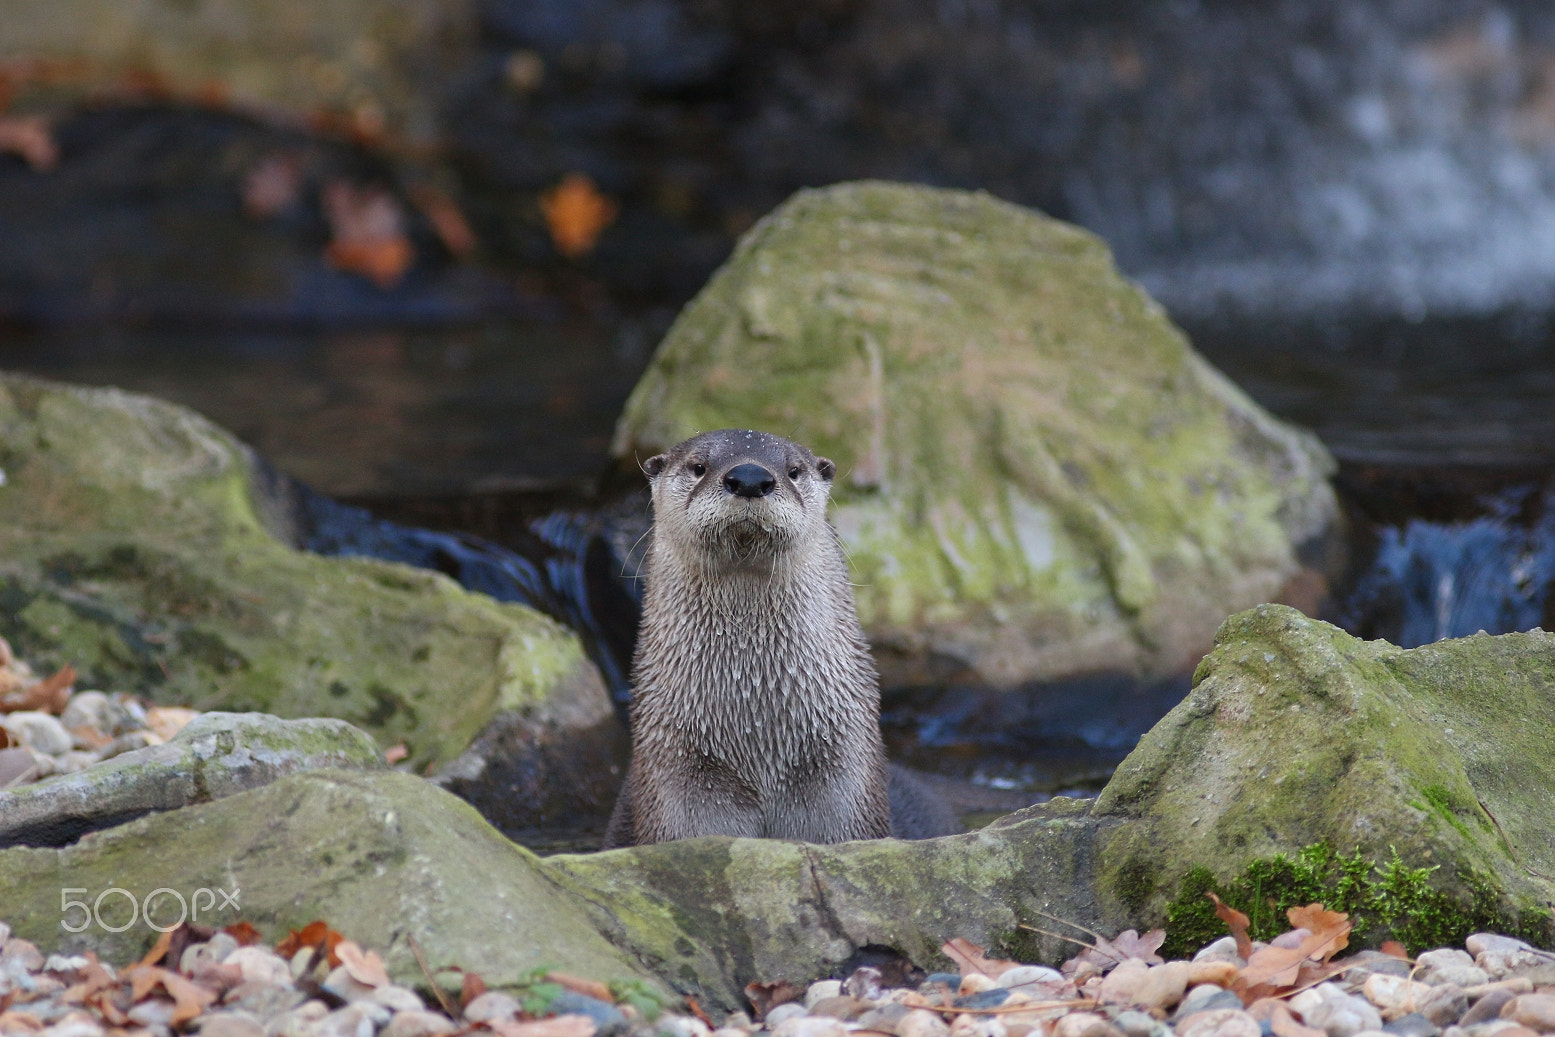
(695, 1008)
(578, 985)
(969, 958)
(1237, 922)
(90, 736)
(1394, 949)
(395, 753)
(50, 695)
(471, 988)
(19, 1022)
(190, 1000)
(30, 137)
(143, 980)
(1316, 918)
(576, 214)
(556, 1026)
(167, 721)
(244, 933)
(159, 949)
(315, 934)
(366, 967)
(1132, 945)
(766, 996)
(447, 221)
(368, 233)
(1280, 966)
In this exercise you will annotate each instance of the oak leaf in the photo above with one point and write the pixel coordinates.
(1237, 922)
(366, 967)
(576, 213)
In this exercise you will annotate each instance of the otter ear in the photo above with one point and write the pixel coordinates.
(655, 464)
(826, 468)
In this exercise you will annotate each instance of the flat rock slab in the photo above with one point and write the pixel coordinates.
(215, 755)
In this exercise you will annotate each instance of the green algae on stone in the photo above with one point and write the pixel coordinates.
(138, 544)
(1426, 766)
(1037, 474)
(384, 857)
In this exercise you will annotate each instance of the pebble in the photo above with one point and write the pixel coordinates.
(1081, 1024)
(298, 1022)
(866, 983)
(978, 1026)
(230, 1024)
(887, 1017)
(790, 1010)
(1164, 985)
(416, 1022)
(41, 732)
(1344, 1016)
(1140, 1024)
(922, 1023)
(1220, 1022)
(155, 1011)
(1223, 949)
(1122, 985)
(1394, 995)
(992, 998)
(607, 1018)
(1487, 1008)
(264, 1001)
(683, 1026)
(820, 991)
(400, 999)
(1412, 1025)
(343, 985)
(1207, 998)
(811, 1026)
(493, 1004)
(976, 983)
(75, 1024)
(1029, 976)
(353, 1020)
(259, 965)
(1535, 1011)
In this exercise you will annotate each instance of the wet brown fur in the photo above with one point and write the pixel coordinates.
(757, 708)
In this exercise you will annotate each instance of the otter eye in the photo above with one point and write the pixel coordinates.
(793, 473)
(698, 469)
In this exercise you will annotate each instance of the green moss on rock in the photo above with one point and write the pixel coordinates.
(138, 545)
(1038, 475)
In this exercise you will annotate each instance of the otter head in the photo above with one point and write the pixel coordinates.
(736, 498)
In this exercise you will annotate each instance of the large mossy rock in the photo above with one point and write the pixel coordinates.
(375, 65)
(1038, 476)
(384, 857)
(139, 544)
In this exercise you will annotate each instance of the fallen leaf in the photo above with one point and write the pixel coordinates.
(472, 988)
(395, 753)
(19, 1022)
(1279, 966)
(1237, 922)
(576, 214)
(695, 1008)
(969, 958)
(368, 233)
(50, 695)
(1316, 918)
(189, 999)
(587, 987)
(167, 721)
(447, 221)
(90, 736)
(1132, 945)
(159, 949)
(766, 996)
(556, 1026)
(366, 967)
(1394, 949)
(1284, 1024)
(244, 933)
(272, 186)
(315, 934)
(30, 137)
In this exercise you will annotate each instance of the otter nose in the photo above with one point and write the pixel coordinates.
(749, 480)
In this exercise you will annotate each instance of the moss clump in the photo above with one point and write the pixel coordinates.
(1384, 901)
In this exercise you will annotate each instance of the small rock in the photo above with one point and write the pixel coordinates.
(732, 1031)
(844, 1007)
(1121, 986)
(75, 1024)
(1140, 1024)
(788, 1010)
(935, 979)
(983, 999)
(1443, 957)
(73, 761)
(1412, 1025)
(1456, 976)
(1344, 1016)
(866, 983)
(607, 1019)
(259, 965)
(212, 952)
(1535, 1011)
(811, 1025)
(417, 1022)
(343, 985)
(1481, 943)
(1218, 973)
(1445, 1004)
(683, 1026)
(1502, 1028)
(491, 1005)
(1223, 949)
(1371, 963)
(21, 954)
(1207, 998)
(154, 1011)
(298, 1022)
(1029, 976)
(263, 1001)
(1083, 1024)
(354, 1020)
(1219, 1022)
(978, 1026)
(737, 1021)
(885, 1018)
(64, 963)
(820, 991)
(922, 1023)
(1394, 994)
(976, 983)
(1164, 985)
(95, 710)
(399, 999)
(1306, 1002)
(126, 743)
(1487, 1008)
(39, 731)
(230, 1024)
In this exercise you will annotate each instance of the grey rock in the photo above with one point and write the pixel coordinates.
(419, 1023)
(789, 1010)
(398, 998)
(886, 1017)
(1140, 1024)
(264, 1001)
(608, 1019)
(1206, 999)
(40, 731)
(493, 1004)
(215, 755)
(98, 711)
(1486, 1008)
(230, 1024)
(1445, 1005)
(1412, 1025)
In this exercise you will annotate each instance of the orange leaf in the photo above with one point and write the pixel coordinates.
(50, 695)
(576, 214)
(695, 1008)
(244, 933)
(395, 753)
(1316, 918)
(472, 988)
(368, 234)
(315, 934)
(1395, 949)
(189, 999)
(968, 956)
(364, 967)
(1280, 965)
(159, 949)
(1237, 922)
(587, 987)
(764, 997)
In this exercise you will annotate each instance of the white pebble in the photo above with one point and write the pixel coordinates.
(1344, 1016)
(1029, 975)
(1219, 1022)
(493, 1004)
(820, 991)
(787, 1010)
(418, 1023)
(978, 1026)
(400, 999)
(922, 1023)
(39, 731)
(1223, 949)
(809, 1026)
(259, 965)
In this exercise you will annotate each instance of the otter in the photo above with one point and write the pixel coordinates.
(757, 705)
